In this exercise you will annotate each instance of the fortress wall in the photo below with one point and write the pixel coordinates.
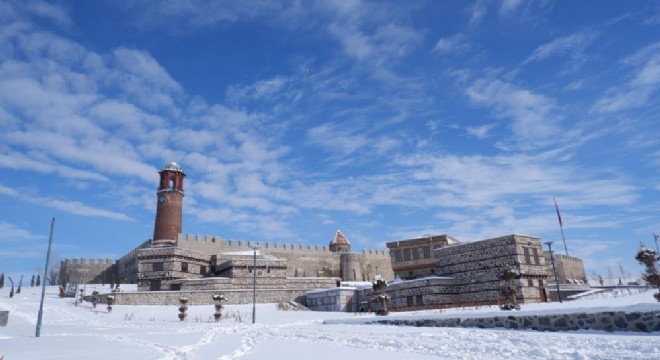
(377, 263)
(127, 265)
(303, 260)
(98, 270)
(307, 263)
(215, 244)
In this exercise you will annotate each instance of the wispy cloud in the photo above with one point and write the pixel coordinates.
(71, 207)
(477, 11)
(453, 45)
(532, 114)
(509, 7)
(573, 44)
(643, 82)
(480, 132)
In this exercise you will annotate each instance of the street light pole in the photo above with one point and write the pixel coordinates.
(254, 285)
(43, 285)
(552, 260)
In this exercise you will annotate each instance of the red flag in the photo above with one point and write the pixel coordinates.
(558, 214)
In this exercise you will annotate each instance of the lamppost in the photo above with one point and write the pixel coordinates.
(552, 260)
(254, 284)
(82, 278)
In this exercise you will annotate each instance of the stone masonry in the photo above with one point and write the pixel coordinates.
(476, 268)
(606, 321)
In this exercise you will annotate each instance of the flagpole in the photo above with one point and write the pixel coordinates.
(561, 226)
(563, 238)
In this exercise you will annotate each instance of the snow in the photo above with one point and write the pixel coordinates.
(154, 332)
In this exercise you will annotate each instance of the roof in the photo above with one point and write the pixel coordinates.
(173, 166)
(339, 239)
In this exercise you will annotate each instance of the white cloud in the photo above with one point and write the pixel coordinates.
(71, 207)
(643, 84)
(336, 140)
(49, 11)
(452, 45)
(11, 232)
(533, 115)
(574, 44)
(509, 7)
(480, 132)
(477, 11)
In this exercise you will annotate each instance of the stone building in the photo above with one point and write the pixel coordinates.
(570, 274)
(457, 274)
(415, 258)
(476, 268)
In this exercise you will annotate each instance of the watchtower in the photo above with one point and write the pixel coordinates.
(170, 204)
(340, 243)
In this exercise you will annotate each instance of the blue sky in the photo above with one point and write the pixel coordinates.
(387, 120)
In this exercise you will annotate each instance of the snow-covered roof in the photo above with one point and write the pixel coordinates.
(339, 239)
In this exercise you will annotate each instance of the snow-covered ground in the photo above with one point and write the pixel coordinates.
(155, 332)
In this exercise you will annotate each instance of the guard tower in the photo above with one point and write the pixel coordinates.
(340, 243)
(170, 203)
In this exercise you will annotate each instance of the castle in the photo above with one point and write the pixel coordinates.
(174, 261)
(425, 272)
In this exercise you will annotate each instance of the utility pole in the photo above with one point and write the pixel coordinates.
(254, 285)
(43, 285)
(552, 260)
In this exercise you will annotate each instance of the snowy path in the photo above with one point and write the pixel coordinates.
(141, 332)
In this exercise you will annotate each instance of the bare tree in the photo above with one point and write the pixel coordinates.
(53, 274)
(610, 276)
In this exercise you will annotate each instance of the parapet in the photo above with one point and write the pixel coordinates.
(242, 245)
(375, 252)
(90, 261)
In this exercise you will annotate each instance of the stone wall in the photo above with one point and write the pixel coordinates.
(419, 294)
(607, 321)
(98, 271)
(127, 265)
(205, 297)
(302, 260)
(568, 268)
(477, 267)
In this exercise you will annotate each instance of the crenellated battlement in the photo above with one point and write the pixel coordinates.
(216, 243)
(375, 252)
(90, 261)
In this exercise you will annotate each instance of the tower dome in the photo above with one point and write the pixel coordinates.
(172, 166)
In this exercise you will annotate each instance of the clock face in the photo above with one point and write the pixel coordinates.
(161, 199)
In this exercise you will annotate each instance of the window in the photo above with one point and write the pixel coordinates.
(427, 252)
(527, 257)
(409, 301)
(184, 267)
(407, 254)
(398, 256)
(540, 282)
(154, 285)
(530, 282)
(416, 253)
(202, 270)
(536, 256)
(157, 267)
(419, 300)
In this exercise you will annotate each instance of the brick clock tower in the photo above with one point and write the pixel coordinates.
(170, 203)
